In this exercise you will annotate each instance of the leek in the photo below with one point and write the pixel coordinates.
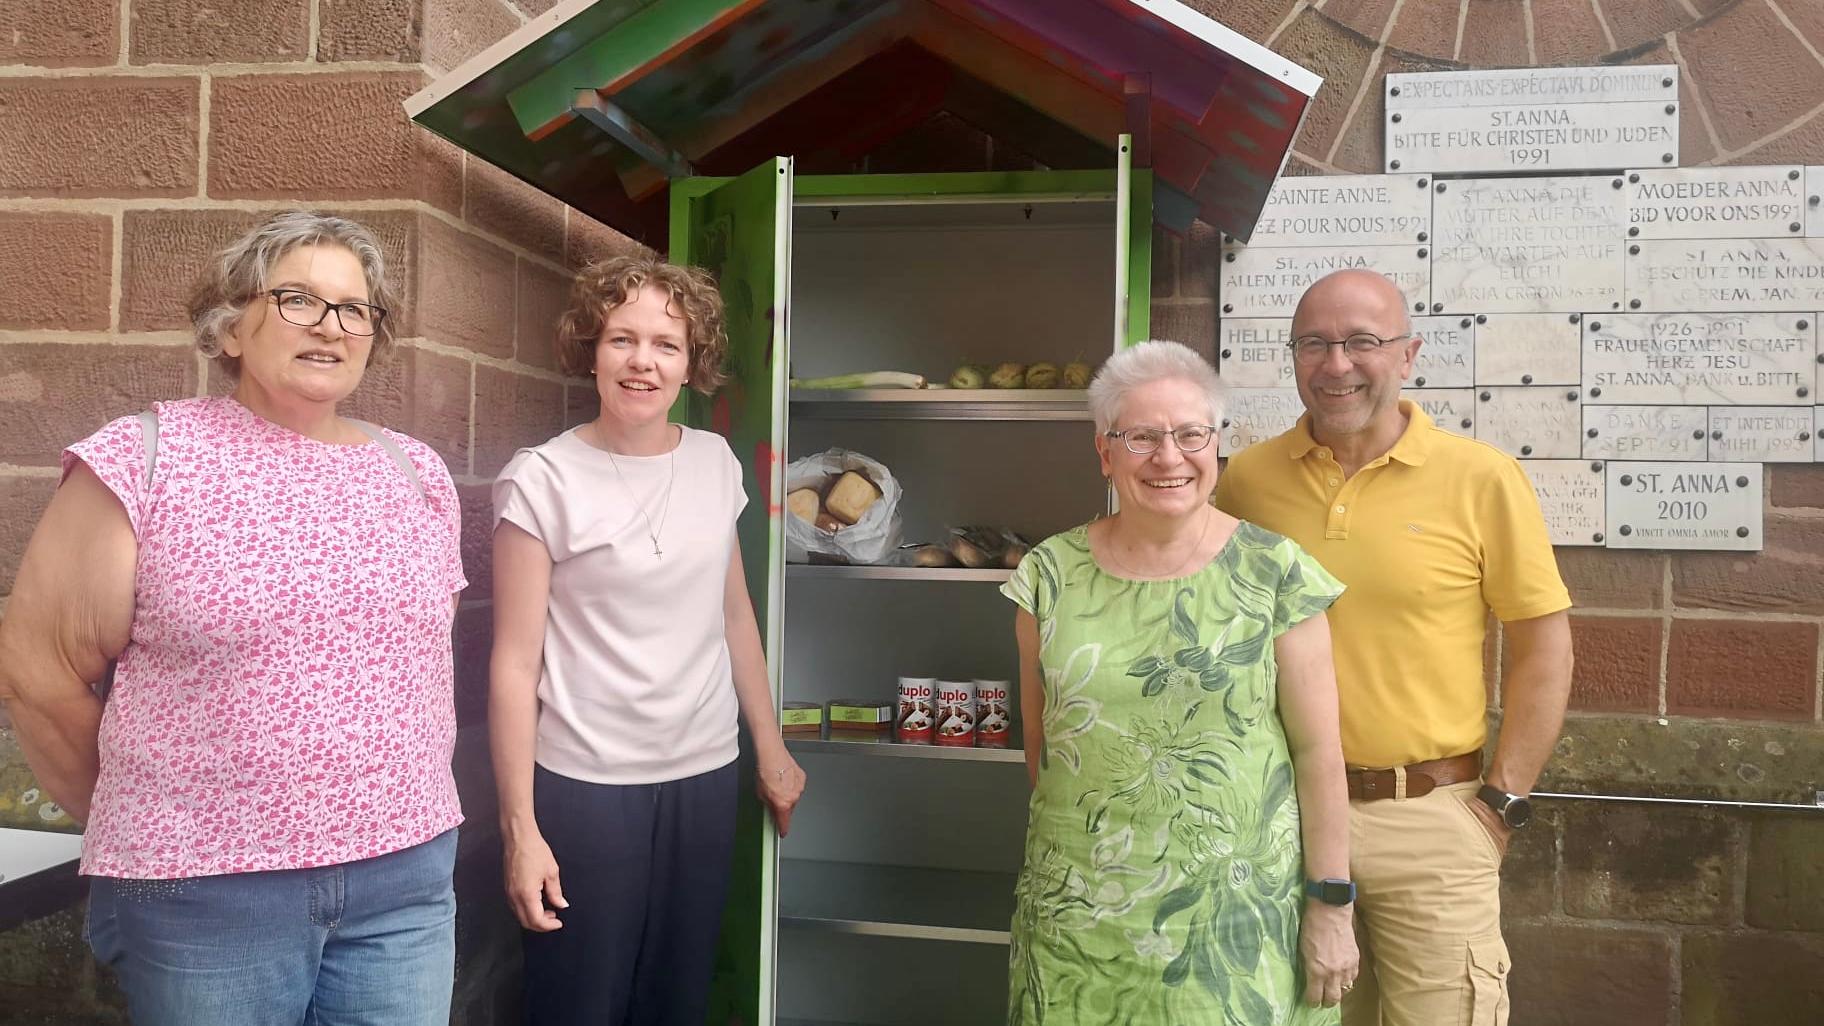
(871, 379)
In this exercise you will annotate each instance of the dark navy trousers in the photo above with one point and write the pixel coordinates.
(645, 869)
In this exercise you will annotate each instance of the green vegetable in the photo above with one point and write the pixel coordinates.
(871, 379)
(1077, 374)
(969, 375)
(1042, 375)
(1008, 375)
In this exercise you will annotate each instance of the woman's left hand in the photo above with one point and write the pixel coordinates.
(1327, 943)
(780, 785)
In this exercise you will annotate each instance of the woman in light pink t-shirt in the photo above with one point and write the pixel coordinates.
(624, 644)
(267, 793)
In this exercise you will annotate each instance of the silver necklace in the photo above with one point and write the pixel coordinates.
(652, 532)
(1175, 571)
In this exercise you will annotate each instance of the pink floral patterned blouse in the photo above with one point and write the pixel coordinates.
(286, 699)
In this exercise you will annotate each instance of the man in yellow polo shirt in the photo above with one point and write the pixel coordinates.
(1431, 532)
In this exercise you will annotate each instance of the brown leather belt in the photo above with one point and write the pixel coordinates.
(1413, 781)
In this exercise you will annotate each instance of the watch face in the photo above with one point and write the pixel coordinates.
(1519, 813)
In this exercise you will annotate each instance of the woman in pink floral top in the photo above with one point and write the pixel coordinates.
(267, 791)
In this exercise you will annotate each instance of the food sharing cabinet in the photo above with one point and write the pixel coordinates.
(738, 136)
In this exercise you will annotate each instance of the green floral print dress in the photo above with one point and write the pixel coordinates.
(1163, 883)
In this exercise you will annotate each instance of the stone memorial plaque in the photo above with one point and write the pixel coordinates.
(1571, 496)
(1447, 359)
(1817, 433)
(1684, 506)
(1541, 422)
(1527, 245)
(1268, 281)
(1539, 119)
(1453, 409)
(1257, 414)
(1740, 359)
(1253, 352)
(1645, 432)
(1814, 201)
(1762, 434)
(1528, 349)
(1726, 274)
(1361, 210)
(1716, 202)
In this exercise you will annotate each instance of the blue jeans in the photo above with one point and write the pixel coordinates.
(368, 943)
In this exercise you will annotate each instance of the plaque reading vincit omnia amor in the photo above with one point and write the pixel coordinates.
(1527, 245)
(1544, 120)
(1684, 506)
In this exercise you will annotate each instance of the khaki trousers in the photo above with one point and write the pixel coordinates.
(1428, 913)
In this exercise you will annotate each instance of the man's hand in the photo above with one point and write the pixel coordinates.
(1498, 831)
(1326, 942)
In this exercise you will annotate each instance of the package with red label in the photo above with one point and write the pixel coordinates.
(993, 722)
(955, 713)
(917, 719)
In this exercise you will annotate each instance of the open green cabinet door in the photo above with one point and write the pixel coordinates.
(1133, 247)
(740, 230)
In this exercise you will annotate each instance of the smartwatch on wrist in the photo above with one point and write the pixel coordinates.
(1514, 809)
(1331, 891)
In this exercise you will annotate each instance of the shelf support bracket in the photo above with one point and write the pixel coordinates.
(623, 128)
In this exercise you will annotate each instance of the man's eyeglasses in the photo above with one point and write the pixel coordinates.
(307, 311)
(1359, 346)
(1144, 441)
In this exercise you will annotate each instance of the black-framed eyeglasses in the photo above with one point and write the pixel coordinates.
(1311, 348)
(1144, 441)
(307, 311)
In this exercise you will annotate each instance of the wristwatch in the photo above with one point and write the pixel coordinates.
(1331, 891)
(1516, 810)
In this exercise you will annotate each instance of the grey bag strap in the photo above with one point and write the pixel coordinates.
(392, 449)
(148, 432)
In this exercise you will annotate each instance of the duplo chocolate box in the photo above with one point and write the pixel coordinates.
(916, 722)
(955, 713)
(993, 721)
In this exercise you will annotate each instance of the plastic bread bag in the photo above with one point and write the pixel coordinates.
(854, 521)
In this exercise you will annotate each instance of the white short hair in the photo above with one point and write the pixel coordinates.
(1144, 363)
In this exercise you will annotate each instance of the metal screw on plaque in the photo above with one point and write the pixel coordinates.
(1225, 422)
(1228, 308)
(1665, 158)
(1228, 258)
(1813, 201)
(1795, 226)
(1485, 397)
(1597, 537)
(1396, 119)
(1466, 423)
(1595, 393)
(1595, 325)
(1423, 252)
(1424, 236)
(1717, 436)
(1633, 233)
(1626, 480)
(1418, 382)
(1634, 178)
(1576, 317)
(1741, 532)
(1671, 108)
(1419, 307)
(1526, 450)
(1395, 91)
(1803, 324)
(1570, 396)
(1526, 379)
(1803, 391)
(1424, 182)
(1437, 308)
(1633, 304)
(1633, 250)
(1226, 354)
(1804, 436)
(1821, 357)
(1440, 186)
(1741, 482)
(1617, 183)
(1591, 432)
(1615, 305)
(1626, 530)
(1596, 467)
(1393, 165)
(1464, 323)
(1481, 318)
(1667, 82)
(1698, 434)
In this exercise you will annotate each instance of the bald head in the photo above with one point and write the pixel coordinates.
(1343, 302)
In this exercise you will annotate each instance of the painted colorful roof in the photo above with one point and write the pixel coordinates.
(599, 102)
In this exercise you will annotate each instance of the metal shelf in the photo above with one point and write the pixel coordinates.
(883, 746)
(896, 901)
(1066, 404)
(817, 571)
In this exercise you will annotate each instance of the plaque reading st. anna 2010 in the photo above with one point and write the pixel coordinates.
(1541, 120)
(1684, 506)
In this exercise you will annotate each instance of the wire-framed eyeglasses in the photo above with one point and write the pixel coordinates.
(307, 310)
(1144, 441)
(1359, 346)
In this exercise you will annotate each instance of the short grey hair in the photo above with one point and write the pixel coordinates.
(241, 273)
(1144, 363)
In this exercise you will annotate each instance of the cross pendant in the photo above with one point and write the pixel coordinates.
(656, 551)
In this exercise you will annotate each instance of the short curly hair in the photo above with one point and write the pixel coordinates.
(240, 274)
(606, 284)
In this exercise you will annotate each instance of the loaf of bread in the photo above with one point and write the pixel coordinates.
(804, 504)
(851, 497)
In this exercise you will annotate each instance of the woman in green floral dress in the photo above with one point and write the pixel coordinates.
(1180, 709)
